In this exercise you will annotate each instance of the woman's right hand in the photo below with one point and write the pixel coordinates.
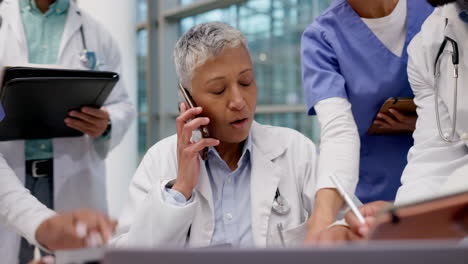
(369, 211)
(187, 151)
(396, 121)
(356, 230)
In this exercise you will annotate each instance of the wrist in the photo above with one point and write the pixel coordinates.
(320, 221)
(328, 202)
(108, 129)
(184, 189)
(43, 233)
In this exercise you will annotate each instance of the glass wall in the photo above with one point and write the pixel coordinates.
(142, 52)
(273, 29)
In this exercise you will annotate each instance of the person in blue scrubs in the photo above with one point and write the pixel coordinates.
(353, 59)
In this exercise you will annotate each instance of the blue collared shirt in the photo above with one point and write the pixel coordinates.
(464, 16)
(231, 198)
(43, 34)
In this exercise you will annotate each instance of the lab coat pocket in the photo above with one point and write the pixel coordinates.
(292, 237)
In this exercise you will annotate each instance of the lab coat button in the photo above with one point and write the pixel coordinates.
(229, 180)
(464, 136)
(228, 217)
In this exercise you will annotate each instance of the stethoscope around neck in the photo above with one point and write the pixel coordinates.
(455, 61)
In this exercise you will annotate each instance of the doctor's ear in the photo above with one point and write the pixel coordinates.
(436, 3)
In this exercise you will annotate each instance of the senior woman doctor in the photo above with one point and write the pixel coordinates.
(177, 199)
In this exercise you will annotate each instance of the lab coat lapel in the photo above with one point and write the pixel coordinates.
(72, 26)
(265, 177)
(13, 20)
(204, 187)
(200, 234)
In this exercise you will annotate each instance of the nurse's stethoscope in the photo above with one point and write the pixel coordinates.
(455, 61)
(280, 204)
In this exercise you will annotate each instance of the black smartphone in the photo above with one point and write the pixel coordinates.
(191, 104)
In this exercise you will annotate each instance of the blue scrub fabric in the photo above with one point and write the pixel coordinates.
(2, 112)
(342, 57)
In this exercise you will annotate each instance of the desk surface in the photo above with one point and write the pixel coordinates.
(395, 252)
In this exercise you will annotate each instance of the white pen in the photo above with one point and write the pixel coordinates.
(347, 199)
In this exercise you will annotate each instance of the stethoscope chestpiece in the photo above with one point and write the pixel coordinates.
(88, 59)
(280, 204)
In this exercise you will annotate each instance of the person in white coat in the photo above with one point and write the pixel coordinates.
(436, 155)
(438, 74)
(75, 165)
(42, 227)
(257, 182)
(25, 215)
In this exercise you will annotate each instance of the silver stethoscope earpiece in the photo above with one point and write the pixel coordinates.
(455, 61)
(280, 204)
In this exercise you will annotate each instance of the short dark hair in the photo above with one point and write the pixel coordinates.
(436, 3)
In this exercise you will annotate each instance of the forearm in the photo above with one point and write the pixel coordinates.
(19, 210)
(340, 145)
(154, 222)
(328, 203)
(339, 155)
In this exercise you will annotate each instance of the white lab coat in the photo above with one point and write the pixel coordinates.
(432, 161)
(79, 168)
(457, 182)
(281, 158)
(19, 210)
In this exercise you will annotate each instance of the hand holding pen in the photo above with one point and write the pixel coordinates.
(368, 212)
(359, 219)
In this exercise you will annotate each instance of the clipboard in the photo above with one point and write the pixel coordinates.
(404, 105)
(437, 219)
(37, 100)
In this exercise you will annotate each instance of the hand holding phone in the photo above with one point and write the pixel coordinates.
(188, 151)
(397, 115)
(191, 103)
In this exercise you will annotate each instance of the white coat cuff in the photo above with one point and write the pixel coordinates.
(176, 198)
(341, 222)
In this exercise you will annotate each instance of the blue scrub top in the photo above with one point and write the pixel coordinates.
(2, 113)
(342, 57)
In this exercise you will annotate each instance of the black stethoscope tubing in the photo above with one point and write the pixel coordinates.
(83, 39)
(455, 62)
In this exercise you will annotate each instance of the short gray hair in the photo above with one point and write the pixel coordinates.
(200, 43)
